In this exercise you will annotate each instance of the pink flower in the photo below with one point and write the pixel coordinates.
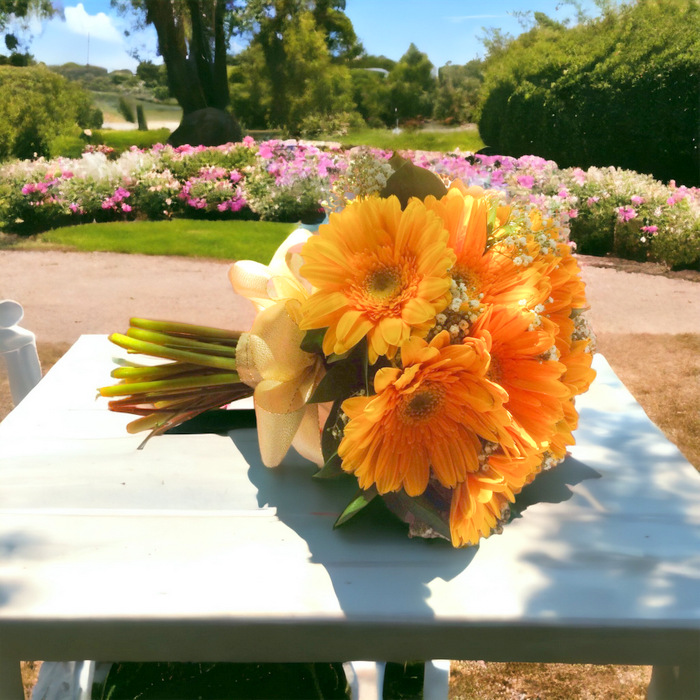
(29, 188)
(126, 208)
(676, 197)
(248, 141)
(497, 178)
(265, 150)
(579, 176)
(526, 181)
(563, 193)
(223, 206)
(625, 214)
(592, 200)
(74, 207)
(650, 229)
(235, 176)
(636, 199)
(573, 213)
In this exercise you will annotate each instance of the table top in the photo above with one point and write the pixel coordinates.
(190, 549)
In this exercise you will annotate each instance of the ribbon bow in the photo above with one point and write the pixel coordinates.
(269, 357)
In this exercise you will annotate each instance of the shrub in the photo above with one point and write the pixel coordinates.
(187, 162)
(633, 216)
(603, 210)
(289, 181)
(67, 145)
(620, 90)
(126, 109)
(315, 125)
(36, 107)
(141, 118)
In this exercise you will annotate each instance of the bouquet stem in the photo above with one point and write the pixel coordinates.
(198, 374)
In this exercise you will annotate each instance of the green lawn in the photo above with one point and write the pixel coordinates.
(224, 240)
(122, 141)
(417, 140)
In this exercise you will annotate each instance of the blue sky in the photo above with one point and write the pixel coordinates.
(447, 30)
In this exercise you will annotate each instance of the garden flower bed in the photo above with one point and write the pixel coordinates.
(602, 210)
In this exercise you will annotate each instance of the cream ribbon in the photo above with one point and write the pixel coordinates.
(270, 360)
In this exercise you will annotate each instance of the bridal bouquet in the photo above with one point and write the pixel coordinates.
(428, 342)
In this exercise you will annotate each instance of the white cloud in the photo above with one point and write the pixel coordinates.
(98, 26)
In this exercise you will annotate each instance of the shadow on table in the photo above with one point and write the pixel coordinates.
(18, 546)
(373, 565)
(624, 556)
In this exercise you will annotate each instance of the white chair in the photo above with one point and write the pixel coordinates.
(366, 679)
(18, 348)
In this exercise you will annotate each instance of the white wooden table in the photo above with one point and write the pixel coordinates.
(191, 550)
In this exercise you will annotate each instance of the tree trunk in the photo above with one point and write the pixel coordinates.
(196, 72)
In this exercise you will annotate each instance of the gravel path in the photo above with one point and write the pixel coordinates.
(67, 294)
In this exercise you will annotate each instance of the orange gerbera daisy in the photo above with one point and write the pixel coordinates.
(568, 292)
(380, 272)
(427, 419)
(480, 504)
(478, 507)
(487, 275)
(578, 359)
(534, 384)
(563, 433)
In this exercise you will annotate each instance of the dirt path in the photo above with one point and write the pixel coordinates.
(67, 294)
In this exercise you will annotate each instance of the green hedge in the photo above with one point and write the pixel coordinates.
(620, 90)
(39, 107)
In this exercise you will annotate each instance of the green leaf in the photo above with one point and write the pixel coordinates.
(331, 469)
(493, 212)
(410, 180)
(361, 500)
(341, 380)
(313, 341)
(332, 433)
(431, 509)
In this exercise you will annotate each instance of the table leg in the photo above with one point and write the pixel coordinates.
(674, 682)
(10, 679)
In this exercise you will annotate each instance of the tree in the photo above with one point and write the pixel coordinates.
(273, 23)
(19, 12)
(457, 94)
(314, 85)
(412, 85)
(251, 96)
(371, 95)
(193, 39)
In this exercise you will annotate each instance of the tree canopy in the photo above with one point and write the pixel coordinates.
(18, 12)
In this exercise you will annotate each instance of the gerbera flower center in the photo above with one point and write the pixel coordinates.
(470, 278)
(495, 370)
(384, 283)
(422, 405)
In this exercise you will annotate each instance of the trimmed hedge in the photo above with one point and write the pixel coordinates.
(620, 90)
